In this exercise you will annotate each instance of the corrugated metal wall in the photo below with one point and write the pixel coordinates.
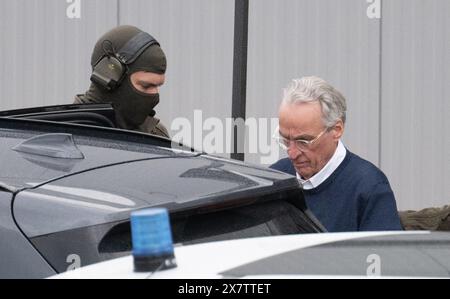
(393, 70)
(45, 54)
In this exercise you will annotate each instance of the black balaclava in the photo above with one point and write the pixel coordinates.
(132, 106)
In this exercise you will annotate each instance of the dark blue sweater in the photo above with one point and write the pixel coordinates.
(356, 197)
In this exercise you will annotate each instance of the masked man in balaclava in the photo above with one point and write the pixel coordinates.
(136, 96)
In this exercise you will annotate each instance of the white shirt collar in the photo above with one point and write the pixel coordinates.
(327, 170)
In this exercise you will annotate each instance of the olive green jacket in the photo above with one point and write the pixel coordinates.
(433, 219)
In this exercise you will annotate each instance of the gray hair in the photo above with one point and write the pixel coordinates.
(311, 89)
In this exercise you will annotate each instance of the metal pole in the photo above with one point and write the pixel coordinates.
(240, 71)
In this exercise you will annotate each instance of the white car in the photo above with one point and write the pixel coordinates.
(329, 255)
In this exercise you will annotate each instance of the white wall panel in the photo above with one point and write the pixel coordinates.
(46, 54)
(416, 102)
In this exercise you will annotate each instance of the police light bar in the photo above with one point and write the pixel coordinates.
(152, 240)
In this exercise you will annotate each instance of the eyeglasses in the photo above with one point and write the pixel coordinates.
(300, 144)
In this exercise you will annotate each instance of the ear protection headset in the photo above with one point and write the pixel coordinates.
(110, 70)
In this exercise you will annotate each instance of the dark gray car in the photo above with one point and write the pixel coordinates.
(67, 190)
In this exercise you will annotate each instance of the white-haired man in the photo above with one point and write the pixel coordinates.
(344, 191)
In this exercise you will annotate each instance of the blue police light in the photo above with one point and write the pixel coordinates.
(152, 240)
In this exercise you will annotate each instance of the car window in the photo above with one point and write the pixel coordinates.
(271, 218)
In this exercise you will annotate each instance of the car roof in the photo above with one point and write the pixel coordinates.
(403, 255)
(100, 147)
(252, 257)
